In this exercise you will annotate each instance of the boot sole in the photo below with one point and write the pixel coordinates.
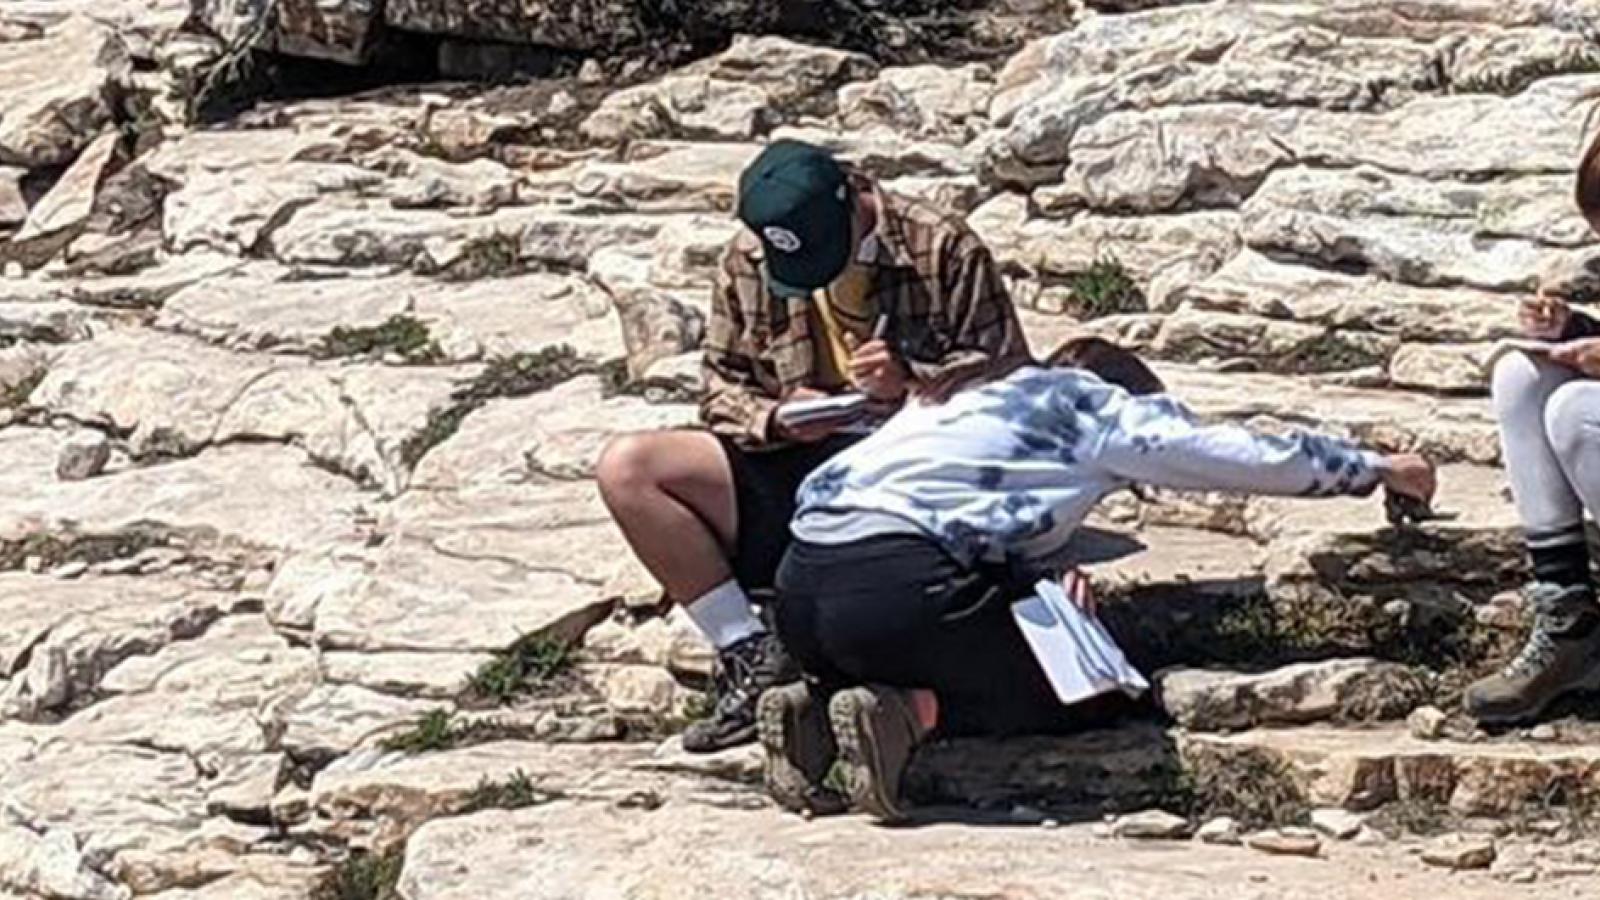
(776, 720)
(858, 750)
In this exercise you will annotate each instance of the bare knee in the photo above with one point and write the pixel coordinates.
(626, 469)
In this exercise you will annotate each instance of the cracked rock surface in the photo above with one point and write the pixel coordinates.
(305, 581)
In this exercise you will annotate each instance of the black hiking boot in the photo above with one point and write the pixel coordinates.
(744, 672)
(1562, 655)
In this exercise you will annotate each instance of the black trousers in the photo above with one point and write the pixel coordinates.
(898, 610)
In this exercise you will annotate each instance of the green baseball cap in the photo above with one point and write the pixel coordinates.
(796, 198)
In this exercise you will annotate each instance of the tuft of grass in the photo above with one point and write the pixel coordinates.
(441, 425)
(521, 374)
(435, 730)
(531, 661)
(698, 706)
(1519, 78)
(363, 876)
(516, 792)
(489, 256)
(517, 375)
(1328, 352)
(16, 395)
(402, 334)
(1249, 785)
(1105, 289)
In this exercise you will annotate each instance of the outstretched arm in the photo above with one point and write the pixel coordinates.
(1158, 441)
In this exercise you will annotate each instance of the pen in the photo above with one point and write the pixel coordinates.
(881, 328)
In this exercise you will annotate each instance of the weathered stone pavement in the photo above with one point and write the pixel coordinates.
(299, 413)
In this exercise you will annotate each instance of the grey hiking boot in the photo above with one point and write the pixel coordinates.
(744, 672)
(793, 725)
(877, 729)
(1562, 655)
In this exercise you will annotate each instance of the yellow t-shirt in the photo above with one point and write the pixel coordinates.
(843, 308)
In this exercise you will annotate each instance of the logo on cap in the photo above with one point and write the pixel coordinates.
(781, 238)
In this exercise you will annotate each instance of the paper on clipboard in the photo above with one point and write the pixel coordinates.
(1074, 649)
(841, 408)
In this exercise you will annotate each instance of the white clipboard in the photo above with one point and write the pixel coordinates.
(1074, 649)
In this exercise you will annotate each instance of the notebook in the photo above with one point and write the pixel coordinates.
(1074, 649)
(844, 408)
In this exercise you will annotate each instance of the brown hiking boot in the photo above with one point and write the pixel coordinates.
(876, 728)
(793, 726)
(1562, 655)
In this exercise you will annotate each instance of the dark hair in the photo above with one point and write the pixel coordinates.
(1588, 191)
(1112, 363)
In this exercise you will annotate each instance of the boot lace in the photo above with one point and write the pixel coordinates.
(1556, 609)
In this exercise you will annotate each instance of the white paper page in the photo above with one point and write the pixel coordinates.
(1075, 651)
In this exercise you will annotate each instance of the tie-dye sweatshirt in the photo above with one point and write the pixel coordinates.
(1008, 471)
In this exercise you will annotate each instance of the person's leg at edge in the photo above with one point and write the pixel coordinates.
(1547, 418)
(672, 494)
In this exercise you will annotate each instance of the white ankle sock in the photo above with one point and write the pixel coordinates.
(724, 615)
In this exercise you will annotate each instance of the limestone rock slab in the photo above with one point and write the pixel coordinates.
(332, 720)
(115, 798)
(439, 676)
(1410, 230)
(1296, 694)
(413, 788)
(217, 695)
(935, 102)
(756, 84)
(56, 94)
(1452, 430)
(412, 597)
(471, 320)
(1253, 283)
(233, 210)
(356, 233)
(254, 496)
(50, 865)
(60, 639)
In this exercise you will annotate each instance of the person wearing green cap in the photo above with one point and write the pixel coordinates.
(833, 287)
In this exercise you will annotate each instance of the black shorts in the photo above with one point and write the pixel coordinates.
(764, 487)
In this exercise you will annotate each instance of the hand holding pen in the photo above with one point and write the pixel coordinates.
(876, 370)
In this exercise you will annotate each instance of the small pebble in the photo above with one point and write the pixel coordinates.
(1460, 853)
(1523, 875)
(1369, 837)
(70, 570)
(1050, 824)
(1151, 824)
(1426, 723)
(1544, 732)
(1223, 830)
(1338, 824)
(1283, 843)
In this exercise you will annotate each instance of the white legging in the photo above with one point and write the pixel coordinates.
(1550, 431)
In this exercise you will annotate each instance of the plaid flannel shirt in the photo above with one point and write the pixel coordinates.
(950, 318)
